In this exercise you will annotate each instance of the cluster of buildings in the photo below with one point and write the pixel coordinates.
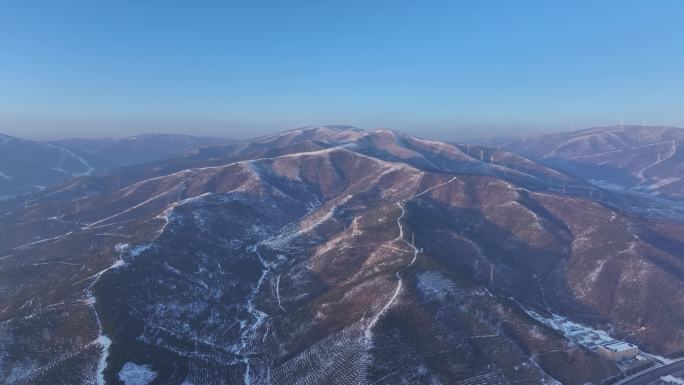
(597, 340)
(600, 342)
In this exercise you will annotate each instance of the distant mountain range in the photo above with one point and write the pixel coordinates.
(28, 166)
(107, 154)
(634, 158)
(334, 255)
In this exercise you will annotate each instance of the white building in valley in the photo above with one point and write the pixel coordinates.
(618, 350)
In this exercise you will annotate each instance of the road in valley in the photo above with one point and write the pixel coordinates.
(652, 374)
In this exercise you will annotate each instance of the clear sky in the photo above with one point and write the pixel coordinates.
(445, 69)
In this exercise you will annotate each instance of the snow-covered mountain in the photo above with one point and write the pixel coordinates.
(333, 255)
(27, 166)
(638, 158)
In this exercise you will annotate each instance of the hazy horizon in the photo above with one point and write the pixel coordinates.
(218, 130)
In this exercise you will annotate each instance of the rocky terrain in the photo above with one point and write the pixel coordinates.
(332, 255)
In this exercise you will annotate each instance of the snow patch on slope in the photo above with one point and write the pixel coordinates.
(433, 284)
(102, 340)
(576, 332)
(134, 374)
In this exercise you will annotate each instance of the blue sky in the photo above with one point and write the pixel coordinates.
(447, 69)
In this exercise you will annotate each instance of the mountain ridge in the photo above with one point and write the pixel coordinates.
(640, 159)
(28, 166)
(359, 258)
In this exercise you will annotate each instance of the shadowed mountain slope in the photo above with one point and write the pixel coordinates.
(29, 166)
